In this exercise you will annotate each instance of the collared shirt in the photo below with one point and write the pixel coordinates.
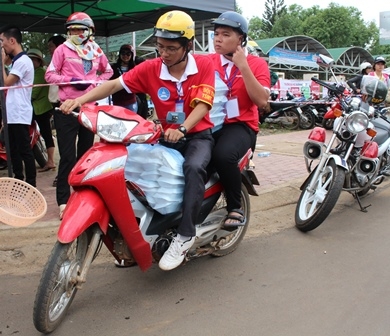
(18, 101)
(196, 84)
(249, 113)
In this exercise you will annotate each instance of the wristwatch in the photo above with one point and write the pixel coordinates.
(182, 129)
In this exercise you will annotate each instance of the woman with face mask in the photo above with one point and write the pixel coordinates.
(79, 58)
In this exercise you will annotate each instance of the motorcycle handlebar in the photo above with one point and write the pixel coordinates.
(333, 88)
(75, 112)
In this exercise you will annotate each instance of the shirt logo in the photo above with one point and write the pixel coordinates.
(163, 93)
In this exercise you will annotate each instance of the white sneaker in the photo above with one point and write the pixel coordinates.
(62, 209)
(175, 254)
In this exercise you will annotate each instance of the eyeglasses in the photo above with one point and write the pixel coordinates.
(168, 50)
(124, 53)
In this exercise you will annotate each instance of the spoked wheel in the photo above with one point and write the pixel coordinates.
(58, 285)
(328, 123)
(290, 120)
(307, 119)
(315, 205)
(232, 240)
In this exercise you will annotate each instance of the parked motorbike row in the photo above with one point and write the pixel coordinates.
(297, 112)
(356, 159)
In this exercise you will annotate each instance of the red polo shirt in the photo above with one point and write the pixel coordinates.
(197, 84)
(248, 110)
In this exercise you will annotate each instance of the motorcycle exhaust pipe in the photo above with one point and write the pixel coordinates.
(312, 149)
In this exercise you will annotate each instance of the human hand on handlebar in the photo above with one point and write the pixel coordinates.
(173, 135)
(69, 105)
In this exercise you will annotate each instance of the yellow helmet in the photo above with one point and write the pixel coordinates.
(175, 24)
(254, 45)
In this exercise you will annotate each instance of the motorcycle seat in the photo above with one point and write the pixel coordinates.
(281, 104)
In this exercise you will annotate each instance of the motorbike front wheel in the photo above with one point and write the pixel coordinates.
(315, 205)
(233, 239)
(58, 285)
(328, 123)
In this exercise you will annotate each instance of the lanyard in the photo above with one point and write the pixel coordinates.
(229, 82)
(179, 89)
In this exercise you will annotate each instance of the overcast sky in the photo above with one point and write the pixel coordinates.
(369, 10)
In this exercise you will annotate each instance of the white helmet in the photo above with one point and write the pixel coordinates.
(365, 65)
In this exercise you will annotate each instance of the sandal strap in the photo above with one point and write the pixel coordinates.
(240, 219)
(239, 211)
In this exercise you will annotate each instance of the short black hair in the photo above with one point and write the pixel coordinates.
(12, 31)
(57, 40)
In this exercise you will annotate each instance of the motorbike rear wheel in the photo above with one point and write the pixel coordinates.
(234, 238)
(315, 205)
(58, 285)
(40, 153)
(290, 120)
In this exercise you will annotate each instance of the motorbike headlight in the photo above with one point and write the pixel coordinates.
(356, 122)
(113, 129)
(355, 103)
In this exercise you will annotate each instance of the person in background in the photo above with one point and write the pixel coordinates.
(182, 82)
(52, 43)
(379, 66)
(7, 66)
(355, 82)
(42, 108)
(79, 58)
(247, 78)
(124, 63)
(18, 104)
(141, 97)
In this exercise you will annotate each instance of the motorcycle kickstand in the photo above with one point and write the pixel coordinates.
(362, 208)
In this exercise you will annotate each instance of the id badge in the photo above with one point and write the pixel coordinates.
(179, 106)
(232, 110)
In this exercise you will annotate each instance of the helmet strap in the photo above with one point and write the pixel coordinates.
(184, 57)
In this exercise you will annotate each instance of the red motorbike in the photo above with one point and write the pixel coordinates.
(37, 145)
(106, 208)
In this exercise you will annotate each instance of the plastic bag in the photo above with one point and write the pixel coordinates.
(158, 171)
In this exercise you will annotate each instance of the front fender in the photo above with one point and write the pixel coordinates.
(338, 161)
(85, 207)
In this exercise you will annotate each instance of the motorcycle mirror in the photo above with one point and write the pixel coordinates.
(324, 61)
(175, 117)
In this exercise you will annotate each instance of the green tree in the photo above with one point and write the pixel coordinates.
(338, 26)
(273, 10)
(36, 40)
(255, 30)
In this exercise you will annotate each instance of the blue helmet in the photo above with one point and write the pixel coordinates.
(234, 20)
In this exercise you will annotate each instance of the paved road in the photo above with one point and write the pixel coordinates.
(332, 281)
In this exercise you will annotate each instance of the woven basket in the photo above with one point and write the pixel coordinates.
(20, 203)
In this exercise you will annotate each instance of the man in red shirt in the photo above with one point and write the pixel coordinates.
(247, 78)
(182, 82)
